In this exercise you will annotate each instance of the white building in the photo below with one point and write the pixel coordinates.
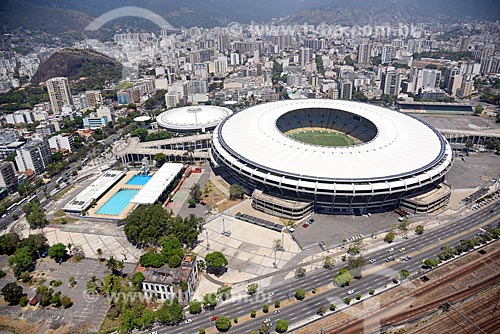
(61, 142)
(59, 93)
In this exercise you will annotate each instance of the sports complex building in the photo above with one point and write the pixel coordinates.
(333, 156)
(195, 119)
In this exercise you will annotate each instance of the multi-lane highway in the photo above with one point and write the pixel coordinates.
(376, 276)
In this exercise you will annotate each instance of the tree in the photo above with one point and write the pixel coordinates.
(478, 110)
(114, 265)
(174, 261)
(265, 308)
(252, 288)
(224, 292)
(321, 310)
(21, 261)
(389, 237)
(236, 191)
(300, 273)
(216, 262)
(328, 262)
(223, 323)
(253, 313)
(347, 300)
(99, 254)
(160, 159)
(372, 291)
(277, 304)
(342, 278)
(72, 281)
(35, 216)
(8, 243)
(403, 225)
(356, 265)
(405, 273)
(333, 307)
(195, 192)
(151, 259)
(191, 203)
(201, 330)
(194, 307)
(281, 326)
(264, 328)
(170, 313)
(137, 279)
(58, 251)
(209, 301)
(300, 294)
(12, 293)
(419, 230)
(358, 296)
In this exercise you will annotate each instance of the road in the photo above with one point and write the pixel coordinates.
(379, 275)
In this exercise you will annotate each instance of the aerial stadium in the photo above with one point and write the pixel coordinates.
(332, 156)
(194, 119)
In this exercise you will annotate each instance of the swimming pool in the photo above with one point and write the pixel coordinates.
(117, 203)
(139, 180)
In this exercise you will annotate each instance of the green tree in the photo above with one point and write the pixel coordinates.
(300, 273)
(405, 273)
(264, 328)
(277, 304)
(160, 159)
(419, 230)
(253, 313)
(209, 301)
(58, 251)
(194, 307)
(66, 302)
(281, 326)
(141, 133)
(170, 313)
(137, 279)
(216, 262)
(195, 192)
(300, 294)
(265, 308)
(236, 191)
(356, 265)
(342, 278)
(174, 261)
(372, 291)
(478, 110)
(191, 203)
(328, 262)
(12, 293)
(252, 288)
(333, 307)
(21, 261)
(224, 292)
(8, 243)
(347, 300)
(201, 330)
(114, 265)
(389, 237)
(223, 323)
(35, 216)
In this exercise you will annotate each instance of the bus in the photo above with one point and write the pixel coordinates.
(32, 198)
(10, 208)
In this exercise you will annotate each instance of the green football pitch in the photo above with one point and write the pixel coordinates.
(322, 138)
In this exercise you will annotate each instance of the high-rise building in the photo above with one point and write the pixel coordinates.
(8, 177)
(61, 142)
(123, 97)
(34, 155)
(172, 99)
(304, 56)
(423, 79)
(364, 54)
(345, 89)
(391, 83)
(388, 53)
(59, 94)
(94, 98)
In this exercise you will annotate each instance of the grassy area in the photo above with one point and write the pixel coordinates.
(124, 86)
(59, 213)
(64, 220)
(62, 193)
(322, 138)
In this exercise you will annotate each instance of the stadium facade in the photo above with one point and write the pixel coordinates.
(193, 119)
(394, 157)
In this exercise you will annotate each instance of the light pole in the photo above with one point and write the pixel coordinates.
(223, 226)
(208, 243)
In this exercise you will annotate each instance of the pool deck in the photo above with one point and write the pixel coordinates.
(122, 184)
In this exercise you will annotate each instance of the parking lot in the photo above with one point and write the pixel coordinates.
(85, 315)
(333, 229)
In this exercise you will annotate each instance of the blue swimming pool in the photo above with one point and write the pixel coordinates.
(138, 180)
(117, 203)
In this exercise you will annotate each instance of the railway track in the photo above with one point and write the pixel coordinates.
(400, 309)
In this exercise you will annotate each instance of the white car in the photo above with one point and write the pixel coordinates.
(188, 321)
(390, 250)
(350, 292)
(372, 261)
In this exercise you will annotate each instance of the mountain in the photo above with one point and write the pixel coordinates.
(359, 12)
(96, 68)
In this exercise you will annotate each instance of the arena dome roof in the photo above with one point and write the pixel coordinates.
(402, 147)
(193, 118)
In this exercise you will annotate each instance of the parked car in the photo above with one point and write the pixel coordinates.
(350, 292)
(305, 225)
(214, 318)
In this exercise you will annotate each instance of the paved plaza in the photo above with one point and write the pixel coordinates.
(249, 249)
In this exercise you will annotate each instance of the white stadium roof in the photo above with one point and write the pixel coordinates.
(195, 118)
(158, 183)
(403, 145)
